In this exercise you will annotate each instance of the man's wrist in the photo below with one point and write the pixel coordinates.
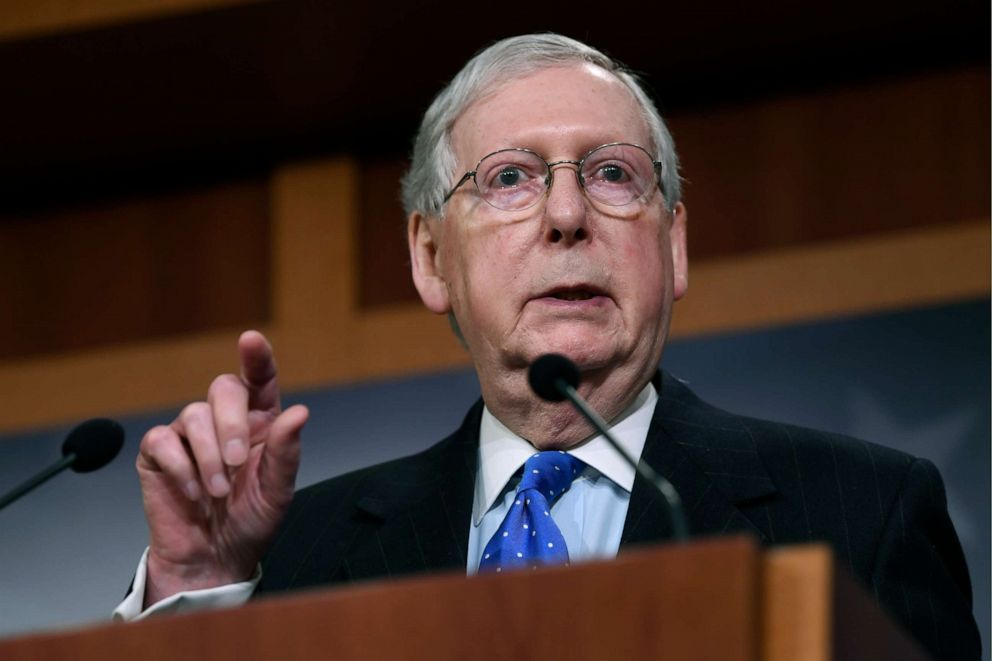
(165, 579)
(133, 608)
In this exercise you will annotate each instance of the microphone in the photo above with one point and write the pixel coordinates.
(89, 446)
(554, 377)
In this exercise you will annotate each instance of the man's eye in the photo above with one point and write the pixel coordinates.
(509, 176)
(612, 173)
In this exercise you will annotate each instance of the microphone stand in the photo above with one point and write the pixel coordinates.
(680, 528)
(37, 480)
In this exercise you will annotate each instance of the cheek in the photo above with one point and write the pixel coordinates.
(648, 253)
(648, 267)
(484, 268)
(496, 248)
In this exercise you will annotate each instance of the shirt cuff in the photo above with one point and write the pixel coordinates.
(223, 596)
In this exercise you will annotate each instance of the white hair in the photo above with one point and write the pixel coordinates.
(433, 164)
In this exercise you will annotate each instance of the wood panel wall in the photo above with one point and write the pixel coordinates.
(866, 158)
(912, 152)
(801, 207)
(20, 18)
(135, 270)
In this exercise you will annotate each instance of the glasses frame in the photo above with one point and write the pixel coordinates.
(550, 178)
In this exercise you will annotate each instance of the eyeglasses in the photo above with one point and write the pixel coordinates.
(615, 174)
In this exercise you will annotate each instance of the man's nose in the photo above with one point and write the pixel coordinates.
(566, 209)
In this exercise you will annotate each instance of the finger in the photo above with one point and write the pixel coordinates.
(282, 451)
(162, 450)
(258, 370)
(197, 422)
(228, 399)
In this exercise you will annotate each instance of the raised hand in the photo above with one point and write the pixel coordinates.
(217, 481)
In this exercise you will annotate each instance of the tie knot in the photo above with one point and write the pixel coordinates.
(550, 472)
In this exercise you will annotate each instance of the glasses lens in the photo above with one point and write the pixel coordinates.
(618, 174)
(511, 179)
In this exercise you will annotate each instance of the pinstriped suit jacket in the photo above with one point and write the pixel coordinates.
(883, 511)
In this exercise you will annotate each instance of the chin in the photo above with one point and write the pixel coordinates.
(588, 353)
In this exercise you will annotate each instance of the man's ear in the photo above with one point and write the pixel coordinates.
(427, 277)
(680, 258)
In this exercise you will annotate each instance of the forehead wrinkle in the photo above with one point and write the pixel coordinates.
(545, 122)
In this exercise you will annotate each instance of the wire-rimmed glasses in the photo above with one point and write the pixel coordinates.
(614, 174)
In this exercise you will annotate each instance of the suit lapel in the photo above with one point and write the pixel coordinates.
(423, 512)
(709, 458)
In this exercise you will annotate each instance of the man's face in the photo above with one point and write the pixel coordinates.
(567, 275)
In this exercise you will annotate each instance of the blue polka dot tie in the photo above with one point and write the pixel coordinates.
(528, 536)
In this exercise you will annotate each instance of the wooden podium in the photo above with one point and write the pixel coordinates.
(722, 599)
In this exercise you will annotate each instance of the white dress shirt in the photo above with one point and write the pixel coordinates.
(590, 515)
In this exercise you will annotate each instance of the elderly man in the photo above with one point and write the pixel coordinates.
(544, 216)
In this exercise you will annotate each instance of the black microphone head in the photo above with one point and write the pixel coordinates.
(95, 443)
(547, 371)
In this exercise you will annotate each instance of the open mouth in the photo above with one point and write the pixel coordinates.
(573, 295)
(579, 293)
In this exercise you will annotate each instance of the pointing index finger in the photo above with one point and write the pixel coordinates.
(258, 370)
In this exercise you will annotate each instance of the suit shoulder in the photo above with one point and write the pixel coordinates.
(399, 479)
(381, 488)
(806, 443)
(780, 444)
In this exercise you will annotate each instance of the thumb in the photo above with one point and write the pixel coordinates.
(282, 449)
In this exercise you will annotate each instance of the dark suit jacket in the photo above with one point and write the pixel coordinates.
(884, 512)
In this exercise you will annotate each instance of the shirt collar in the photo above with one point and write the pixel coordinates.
(502, 453)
